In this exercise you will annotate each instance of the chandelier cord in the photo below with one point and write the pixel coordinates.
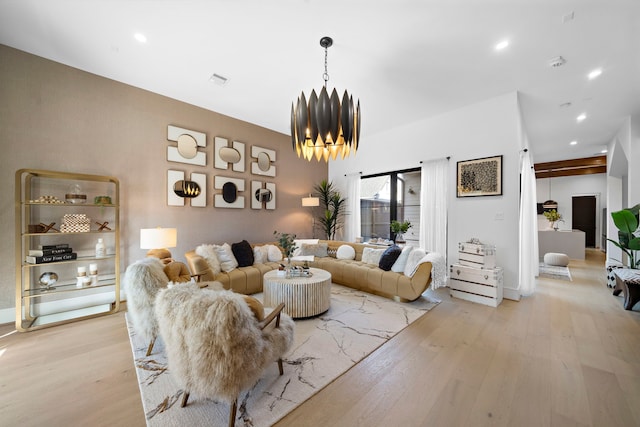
(325, 76)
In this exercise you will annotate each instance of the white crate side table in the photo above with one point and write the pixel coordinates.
(302, 296)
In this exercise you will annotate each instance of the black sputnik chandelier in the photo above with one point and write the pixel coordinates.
(325, 127)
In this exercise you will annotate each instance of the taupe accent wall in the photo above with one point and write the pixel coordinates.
(56, 117)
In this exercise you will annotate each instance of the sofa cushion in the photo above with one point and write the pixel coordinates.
(372, 256)
(413, 262)
(318, 249)
(401, 262)
(209, 253)
(225, 255)
(346, 252)
(274, 254)
(300, 242)
(243, 253)
(260, 254)
(389, 256)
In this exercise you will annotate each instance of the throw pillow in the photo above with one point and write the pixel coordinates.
(401, 262)
(413, 261)
(389, 256)
(299, 243)
(209, 253)
(274, 254)
(260, 254)
(243, 253)
(225, 255)
(332, 252)
(372, 256)
(319, 250)
(346, 252)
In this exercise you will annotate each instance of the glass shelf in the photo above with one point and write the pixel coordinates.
(60, 233)
(67, 205)
(71, 261)
(56, 289)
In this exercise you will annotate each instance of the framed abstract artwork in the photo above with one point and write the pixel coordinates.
(479, 177)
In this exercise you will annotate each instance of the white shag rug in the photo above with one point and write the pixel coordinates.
(555, 272)
(325, 347)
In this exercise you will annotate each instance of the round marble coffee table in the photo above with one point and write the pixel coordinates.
(302, 296)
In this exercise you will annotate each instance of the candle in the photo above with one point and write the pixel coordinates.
(82, 271)
(93, 269)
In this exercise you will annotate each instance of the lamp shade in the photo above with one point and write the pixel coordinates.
(158, 238)
(310, 201)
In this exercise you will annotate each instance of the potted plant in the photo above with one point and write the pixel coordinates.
(626, 221)
(286, 242)
(553, 217)
(399, 228)
(334, 208)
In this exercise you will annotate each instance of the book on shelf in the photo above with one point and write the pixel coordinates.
(58, 246)
(51, 258)
(45, 252)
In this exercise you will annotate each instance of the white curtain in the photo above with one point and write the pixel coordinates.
(528, 258)
(433, 206)
(352, 220)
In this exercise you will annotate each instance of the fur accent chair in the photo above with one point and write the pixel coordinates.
(216, 347)
(143, 279)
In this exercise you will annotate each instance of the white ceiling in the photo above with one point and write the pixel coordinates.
(404, 59)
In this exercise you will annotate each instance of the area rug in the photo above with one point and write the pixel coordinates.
(555, 272)
(324, 348)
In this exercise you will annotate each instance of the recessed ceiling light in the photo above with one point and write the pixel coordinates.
(140, 37)
(604, 151)
(503, 44)
(581, 117)
(573, 143)
(595, 73)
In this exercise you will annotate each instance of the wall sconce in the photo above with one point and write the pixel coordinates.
(186, 189)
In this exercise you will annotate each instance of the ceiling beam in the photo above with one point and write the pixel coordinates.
(584, 166)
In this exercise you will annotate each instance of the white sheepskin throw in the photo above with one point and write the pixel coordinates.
(413, 261)
(214, 344)
(274, 254)
(142, 280)
(401, 262)
(260, 254)
(210, 254)
(372, 256)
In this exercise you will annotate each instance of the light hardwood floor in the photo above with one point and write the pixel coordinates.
(567, 356)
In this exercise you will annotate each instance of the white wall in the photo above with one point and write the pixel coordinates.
(485, 129)
(562, 189)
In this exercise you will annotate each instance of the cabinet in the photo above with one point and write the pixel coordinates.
(483, 286)
(57, 209)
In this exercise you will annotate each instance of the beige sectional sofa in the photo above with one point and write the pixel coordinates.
(353, 273)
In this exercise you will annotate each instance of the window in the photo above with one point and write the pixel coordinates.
(389, 196)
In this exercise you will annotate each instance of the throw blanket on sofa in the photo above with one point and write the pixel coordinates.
(438, 270)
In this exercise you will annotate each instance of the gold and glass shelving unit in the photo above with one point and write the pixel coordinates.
(63, 215)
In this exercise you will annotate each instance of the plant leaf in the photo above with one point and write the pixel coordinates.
(625, 221)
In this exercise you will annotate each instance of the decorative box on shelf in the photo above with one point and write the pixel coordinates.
(483, 286)
(477, 255)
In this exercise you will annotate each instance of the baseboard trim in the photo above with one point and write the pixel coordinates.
(511, 294)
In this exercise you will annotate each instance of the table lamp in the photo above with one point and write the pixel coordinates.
(158, 240)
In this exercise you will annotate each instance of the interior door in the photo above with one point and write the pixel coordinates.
(584, 217)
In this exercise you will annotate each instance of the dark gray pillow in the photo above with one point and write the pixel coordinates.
(389, 257)
(243, 253)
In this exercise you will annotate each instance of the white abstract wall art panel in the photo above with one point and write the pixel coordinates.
(201, 200)
(228, 197)
(186, 150)
(264, 159)
(172, 198)
(225, 155)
